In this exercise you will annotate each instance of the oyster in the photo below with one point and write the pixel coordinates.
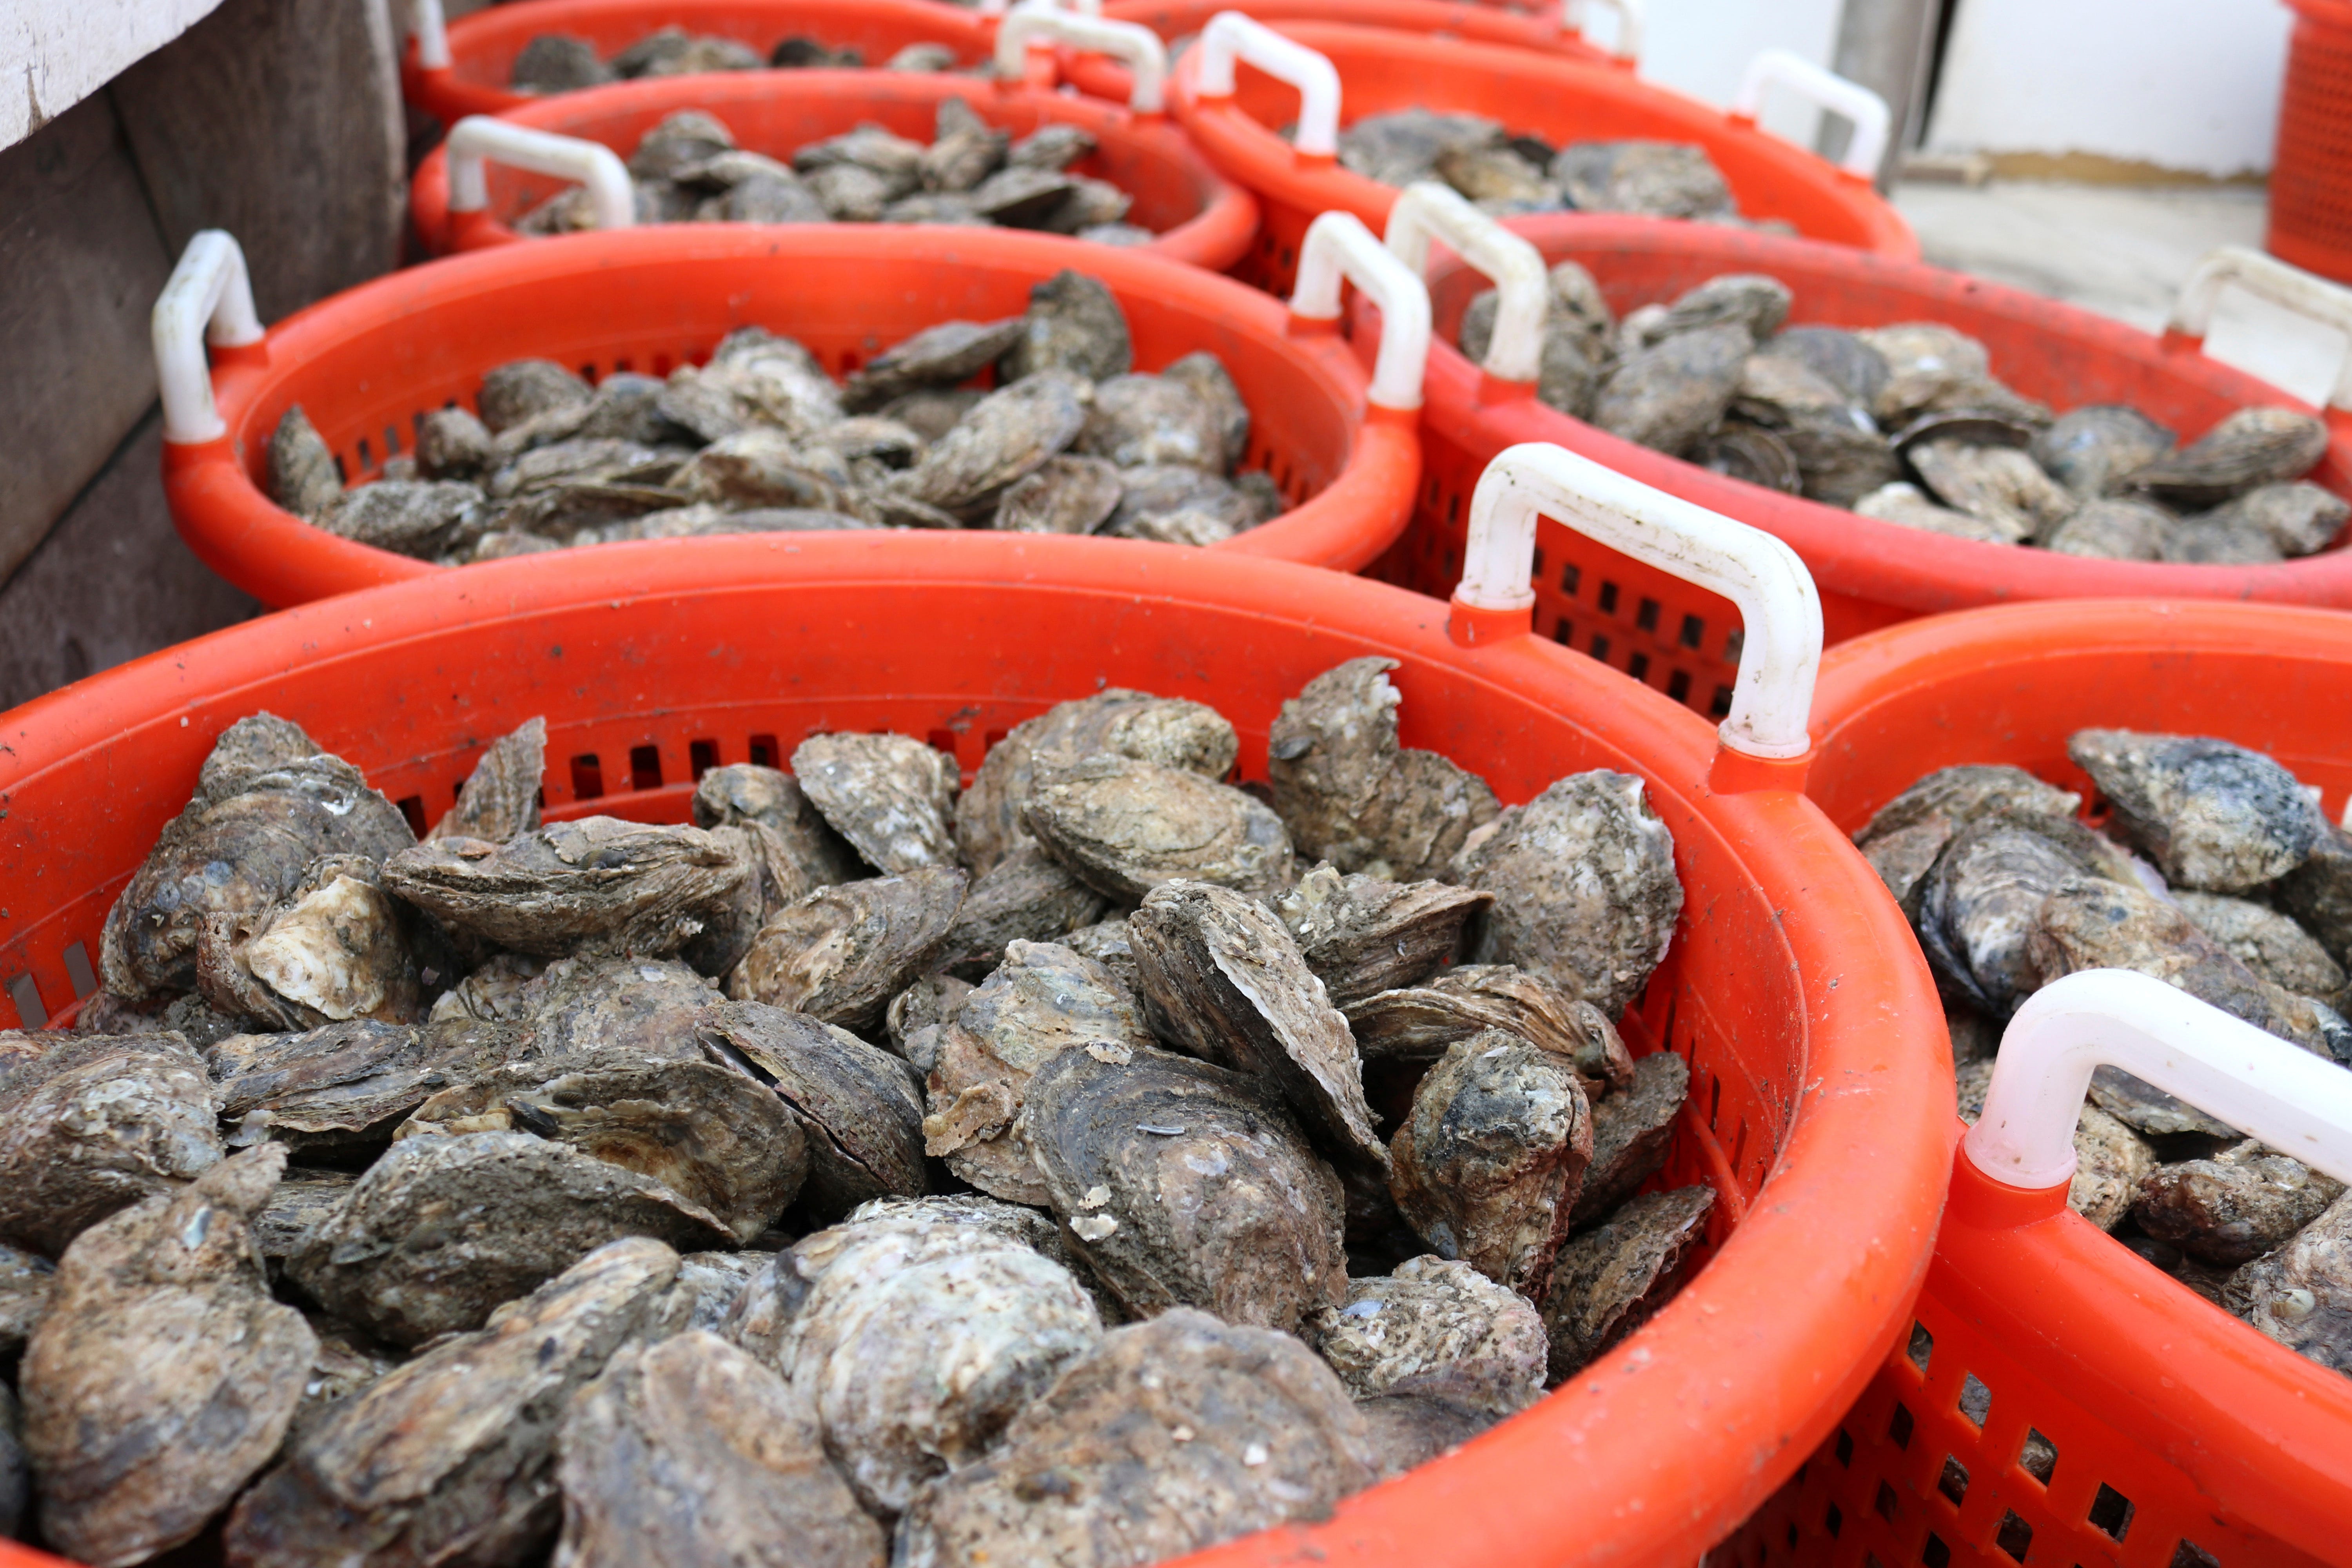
(1417, 1024)
(1489, 1163)
(1361, 935)
(943, 356)
(1401, 147)
(1924, 361)
(1858, 371)
(915, 1015)
(1042, 1001)
(166, 1377)
(2251, 447)
(893, 798)
(2094, 449)
(1614, 1278)
(843, 951)
(1126, 827)
(27, 1281)
(1351, 795)
(1205, 376)
(860, 1111)
(1408, 1430)
(1028, 897)
(747, 795)
(1061, 495)
(2301, 1295)
(1979, 902)
(2267, 942)
(1175, 503)
(648, 1005)
(2111, 530)
(1498, 177)
(1997, 485)
(525, 388)
(95, 1125)
(1749, 300)
(690, 1451)
(301, 1199)
(1221, 979)
(1660, 179)
(1005, 437)
(964, 150)
(1584, 885)
(1167, 1437)
(1437, 1330)
(596, 883)
(1907, 506)
(1107, 946)
(336, 946)
(1180, 1183)
(2318, 893)
(2213, 816)
(303, 478)
(500, 799)
(2234, 1207)
(1140, 419)
(1903, 839)
(440, 1231)
(557, 62)
(1073, 323)
(1164, 730)
(1668, 396)
(348, 1085)
(2295, 518)
(1753, 453)
(451, 1457)
(1632, 1133)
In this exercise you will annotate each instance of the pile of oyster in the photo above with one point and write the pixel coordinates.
(1081, 1167)
(2216, 873)
(687, 169)
(562, 62)
(759, 439)
(1505, 174)
(1909, 425)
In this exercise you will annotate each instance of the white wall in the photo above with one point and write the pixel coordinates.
(2184, 84)
(1703, 47)
(55, 53)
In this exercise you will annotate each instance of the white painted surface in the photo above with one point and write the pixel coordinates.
(1702, 48)
(55, 53)
(2183, 84)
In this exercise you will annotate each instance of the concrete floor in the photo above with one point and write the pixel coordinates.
(2125, 252)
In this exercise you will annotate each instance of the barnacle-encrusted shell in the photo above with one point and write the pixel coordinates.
(1584, 885)
(95, 1125)
(1418, 1023)
(857, 1103)
(1168, 1437)
(1180, 1183)
(2301, 1295)
(1126, 827)
(1438, 1329)
(2234, 1207)
(842, 952)
(1614, 1278)
(1632, 1131)
(1362, 935)
(2213, 816)
(891, 797)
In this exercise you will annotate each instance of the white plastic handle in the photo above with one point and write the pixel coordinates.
(1338, 246)
(431, 32)
(1145, 56)
(998, 7)
(1427, 208)
(478, 139)
(2297, 1103)
(1629, 24)
(1867, 112)
(2267, 277)
(208, 298)
(1781, 651)
(1231, 36)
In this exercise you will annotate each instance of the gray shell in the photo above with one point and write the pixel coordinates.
(2213, 816)
(347, 1085)
(1671, 394)
(2111, 529)
(302, 1198)
(1361, 935)
(1073, 323)
(1139, 419)
(943, 356)
(645, 1004)
(1660, 179)
(1997, 485)
(1126, 827)
(94, 1125)
(2234, 1207)
(1632, 1133)
(1977, 902)
(336, 946)
(1903, 839)
(1028, 896)
(1006, 434)
(2299, 519)
(1062, 495)
(2266, 942)
(746, 795)
(1924, 361)
(1439, 1329)
(500, 799)
(842, 952)
(1408, 1430)
(2093, 450)
(1907, 506)
(2301, 1295)
(303, 474)
(1612, 1279)
(1416, 1024)
(2252, 447)
(890, 796)
(1856, 370)
(2318, 893)
(917, 1015)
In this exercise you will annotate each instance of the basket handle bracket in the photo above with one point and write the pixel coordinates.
(207, 299)
(1338, 247)
(1427, 209)
(427, 25)
(1824, 90)
(1630, 20)
(1138, 46)
(1778, 606)
(2268, 279)
(1230, 35)
(478, 140)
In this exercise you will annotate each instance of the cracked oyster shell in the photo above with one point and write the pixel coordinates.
(2267, 942)
(95, 1125)
(1006, 435)
(1045, 999)
(1977, 902)
(1632, 1133)
(1614, 1278)
(1669, 395)
(1660, 179)
(1903, 840)
(690, 1451)
(1062, 495)
(1349, 793)
(440, 1231)
(1488, 1164)
(2251, 447)
(2301, 1295)
(943, 356)
(2234, 1207)
(1027, 896)
(2093, 450)
(1167, 1437)
(1361, 935)
(857, 1105)
(1164, 730)
(1073, 323)
(500, 799)
(1222, 978)
(1584, 885)
(1180, 1183)
(1416, 1024)
(303, 474)
(335, 947)
(348, 1085)
(890, 796)
(843, 951)
(2214, 816)
(746, 795)
(166, 1377)
(1438, 1330)
(1126, 827)
(450, 1458)
(597, 882)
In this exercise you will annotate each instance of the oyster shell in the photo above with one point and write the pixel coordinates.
(859, 1108)
(2234, 1207)
(348, 1085)
(1205, 376)
(557, 62)
(690, 1451)
(1165, 730)
(943, 356)
(1180, 1183)
(1660, 179)
(1614, 1278)
(648, 1005)
(1361, 935)
(1907, 506)
(440, 1231)
(1073, 323)
(1632, 1133)
(747, 795)
(2251, 447)
(596, 883)
(1005, 437)
(2301, 1295)
(500, 799)
(1924, 361)
(890, 796)
(300, 1200)
(1062, 495)
(302, 474)
(1126, 827)
(1438, 1330)
(1753, 453)
(451, 1457)
(2111, 530)
(2318, 893)
(1978, 903)
(964, 150)
(95, 1125)
(2213, 816)
(2268, 942)
(842, 952)
(1408, 1430)
(1488, 1164)
(336, 946)
(2298, 519)
(27, 1281)
(1668, 396)
(1028, 897)
(1584, 885)
(1167, 1437)
(1497, 178)
(1107, 946)
(525, 388)
(915, 1015)
(166, 1377)
(1140, 419)
(1999, 485)
(1858, 371)
(1749, 300)
(894, 159)
(1903, 839)
(1351, 795)
(1402, 146)
(2094, 449)
(1417, 1024)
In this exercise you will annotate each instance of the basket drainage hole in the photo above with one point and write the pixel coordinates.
(1564, 632)
(2038, 1457)
(1923, 1345)
(1953, 1482)
(1638, 666)
(1608, 598)
(991, 740)
(1792, 1538)
(1535, 568)
(644, 767)
(1898, 1426)
(1976, 1399)
(1719, 707)
(1571, 577)
(1887, 1504)
(587, 777)
(1678, 685)
(941, 740)
(31, 1011)
(1832, 1521)
(1936, 1554)
(2189, 1554)
(77, 970)
(763, 751)
(412, 806)
(2014, 1536)
(1647, 616)
(1694, 631)
(701, 756)
(1844, 1446)
(2112, 1512)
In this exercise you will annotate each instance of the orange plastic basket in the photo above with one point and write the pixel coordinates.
(1870, 574)
(481, 49)
(1557, 99)
(1196, 214)
(368, 364)
(2173, 1420)
(650, 664)
(2310, 173)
